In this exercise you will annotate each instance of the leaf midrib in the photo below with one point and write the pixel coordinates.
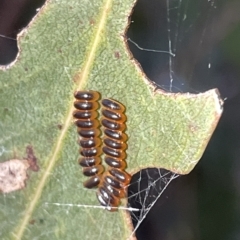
(81, 81)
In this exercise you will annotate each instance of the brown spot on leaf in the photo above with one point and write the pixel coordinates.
(32, 221)
(92, 21)
(31, 158)
(13, 174)
(76, 77)
(117, 54)
(193, 127)
(60, 126)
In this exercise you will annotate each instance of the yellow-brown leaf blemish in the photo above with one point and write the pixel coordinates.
(31, 158)
(13, 175)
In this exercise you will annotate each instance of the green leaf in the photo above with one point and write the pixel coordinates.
(79, 45)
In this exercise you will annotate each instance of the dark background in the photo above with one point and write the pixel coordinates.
(205, 38)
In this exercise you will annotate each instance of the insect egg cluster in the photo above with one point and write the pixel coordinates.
(113, 182)
(87, 123)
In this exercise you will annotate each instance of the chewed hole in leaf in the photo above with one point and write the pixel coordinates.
(15, 16)
(178, 48)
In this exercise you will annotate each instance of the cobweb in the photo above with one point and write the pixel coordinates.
(177, 52)
(146, 188)
(176, 42)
